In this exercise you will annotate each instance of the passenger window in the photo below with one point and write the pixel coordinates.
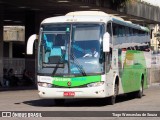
(130, 31)
(118, 30)
(115, 32)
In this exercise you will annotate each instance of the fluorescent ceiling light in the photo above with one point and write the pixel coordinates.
(22, 7)
(84, 6)
(7, 20)
(95, 9)
(63, 1)
(17, 21)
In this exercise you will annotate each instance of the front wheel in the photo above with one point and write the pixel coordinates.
(112, 99)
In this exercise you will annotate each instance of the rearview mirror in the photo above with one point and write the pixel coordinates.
(30, 43)
(106, 39)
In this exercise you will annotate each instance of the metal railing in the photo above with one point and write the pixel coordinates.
(17, 64)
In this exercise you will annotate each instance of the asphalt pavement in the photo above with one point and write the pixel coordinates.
(27, 99)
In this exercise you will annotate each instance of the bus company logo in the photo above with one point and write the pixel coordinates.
(69, 83)
(6, 114)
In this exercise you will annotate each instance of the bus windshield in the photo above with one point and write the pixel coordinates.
(73, 49)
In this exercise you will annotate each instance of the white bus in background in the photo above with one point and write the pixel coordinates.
(90, 54)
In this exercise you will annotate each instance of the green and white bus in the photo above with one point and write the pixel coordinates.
(90, 54)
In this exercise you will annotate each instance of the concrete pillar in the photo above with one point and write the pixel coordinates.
(1, 42)
(32, 24)
(10, 49)
(29, 30)
(37, 26)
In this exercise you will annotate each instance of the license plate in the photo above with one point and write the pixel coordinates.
(69, 93)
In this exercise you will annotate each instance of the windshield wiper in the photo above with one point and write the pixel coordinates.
(80, 68)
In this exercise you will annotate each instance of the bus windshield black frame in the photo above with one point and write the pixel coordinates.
(77, 48)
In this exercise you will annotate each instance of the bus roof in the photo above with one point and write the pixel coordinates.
(129, 24)
(91, 16)
(81, 16)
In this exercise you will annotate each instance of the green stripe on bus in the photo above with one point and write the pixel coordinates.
(75, 81)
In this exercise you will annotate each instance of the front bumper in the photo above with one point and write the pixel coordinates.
(88, 92)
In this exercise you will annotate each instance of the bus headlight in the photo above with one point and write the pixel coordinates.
(47, 85)
(96, 84)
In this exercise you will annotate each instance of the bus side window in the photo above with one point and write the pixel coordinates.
(121, 31)
(127, 31)
(114, 28)
(130, 31)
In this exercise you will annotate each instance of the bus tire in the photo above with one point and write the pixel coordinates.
(139, 93)
(112, 99)
(59, 101)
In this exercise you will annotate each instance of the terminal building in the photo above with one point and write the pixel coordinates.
(21, 18)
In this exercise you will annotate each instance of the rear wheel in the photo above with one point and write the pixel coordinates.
(59, 101)
(139, 93)
(112, 99)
